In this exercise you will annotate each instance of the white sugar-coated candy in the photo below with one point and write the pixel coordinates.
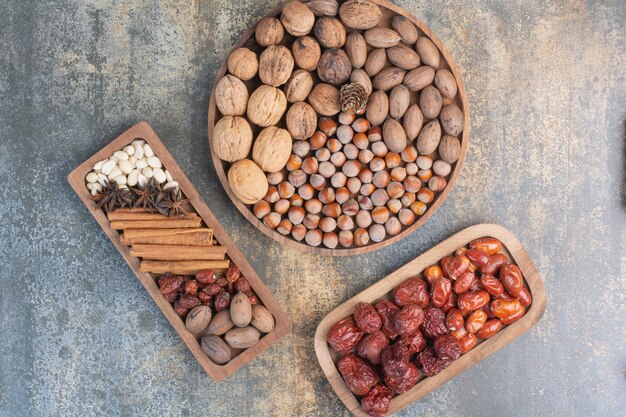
(147, 172)
(142, 180)
(139, 142)
(121, 179)
(121, 155)
(169, 176)
(133, 177)
(126, 167)
(98, 166)
(108, 167)
(147, 151)
(115, 172)
(130, 150)
(159, 175)
(154, 162)
(170, 184)
(102, 179)
(132, 160)
(141, 164)
(92, 177)
(138, 151)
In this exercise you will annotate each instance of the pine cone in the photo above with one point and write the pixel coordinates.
(353, 98)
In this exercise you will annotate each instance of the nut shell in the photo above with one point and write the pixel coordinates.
(240, 310)
(243, 64)
(232, 138)
(356, 49)
(430, 102)
(330, 32)
(429, 138)
(216, 349)
(324, 98)
(375, 62)
(377, 108)
(449, 149)
(299, 86)
(198, 319)
(242, 337)
(360, 14)
(301, 120)
(388, 78)
(394, 135)
(275, 65)
(380, 37)
(297, 18)
(334, 66)
(262, 319)
(231, 96)
(451, 119)
(405, 28)
(306, 53)
(220, 324)
(445, 82)
(323, 7)
(428, 52)
(247, 181)
(266, 106)
(359, 76)
(420, 77)
(272, 149)
(399, 100)
(403, 57)
(269, 31)
(413, 121)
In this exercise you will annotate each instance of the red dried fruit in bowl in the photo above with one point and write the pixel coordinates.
(447, 347)
(402, 382)
(430, 363)
(169, 284)
(191, 287)
(376, 402)
(408, 320)
(180, 310)
(233, 273)
(434, 322)
(440, 292)
(372, 346)
(387, 310)
(367, 318)
(206, 277)
(212, 289)
(412, 344)
(344, 336)
(171, 296)
(222, 301)
(189, 301)
(243, 285)
(412, 291)
(358, 374)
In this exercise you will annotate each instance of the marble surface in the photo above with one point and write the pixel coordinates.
(79, 336)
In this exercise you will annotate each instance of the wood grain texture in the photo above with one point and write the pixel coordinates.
(389, 10)
(283, 325)
(514, 251)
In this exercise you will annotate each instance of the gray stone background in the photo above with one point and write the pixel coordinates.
(79, 336)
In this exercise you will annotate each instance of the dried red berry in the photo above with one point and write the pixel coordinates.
(367, 318)
(222, 301)
(206, 277)
(191, 287)
(243, 285)
(412, 291)
(408, 320)
(387, 310)
(359, 375)
(233, 273)
(434, 322)
(376, 402)
(344, 336)
(447, 347)
(429, 362)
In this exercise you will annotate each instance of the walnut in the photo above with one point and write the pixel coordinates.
(272, 149)
(334, 66)
(243, 64)
(301, 120)
(266, 106)
(269, 31)
(275, 65)
(247, 181)
(231, 96)
(297, 18)
(232, 138)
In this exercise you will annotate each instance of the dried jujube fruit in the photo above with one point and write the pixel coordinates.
(376, 402)
(367, 318)
(344, 336)
(434, 322)
(359, 375)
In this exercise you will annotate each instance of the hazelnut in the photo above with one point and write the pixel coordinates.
(298, 232)
(425, 195)
(282, 206)
(327, 195)
(310, 165)
(411, 168)
(398, 174)
(294, 162)
(306, 53)
(418, 208)
(269, 31)
(317, 141)
(392, 160)
(436, 183)
(351, 151)
(365, 156)
(361, 237)
(342, 195)
(424, 162)
(284, 227)
(381, 179)
(301, 148)
(328, 224)
(441, 168)
(272, 149)
(365, 203)
(380, 197)
(311, 221)
(350, 207)
(322, 155)
(377, 164)
(395, 189)
(346, 238)
(231, 96)
(345, 134)
(407, 199)
(313, 237)
(275, 178)
(377, 232)
(247, 181)
(367, 189)
(424, 174)
(296, 215)
(301, 120)
(406, 217)
(338, 159)
(345, 222)
(409, 154)
(375, 134)
(243, 64)
(271, 220)
(363, 219)
(326, 169)
(394, 206)
(272, 195)
(366, 175)
(338, 180)
(380, 149)
(334, 145)
(360, 140)
(330, 240)
(313, 206)
(285, 189)
(353, 185)
(261, 209)
(328, 126)
(346, 118)
(351, 168)
(380, 214)
(296, 201)
(412, 184)
(306, 191)
(361, 125)
(317, 181)
(331, 210)
(297, 177)
(393, 226)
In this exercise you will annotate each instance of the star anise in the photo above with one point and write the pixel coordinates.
(175, 202)
(143, 196)
(112, 197)
(159, 197)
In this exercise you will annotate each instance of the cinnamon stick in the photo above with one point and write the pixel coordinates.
(134, 214)
(181, 267)
(178, 252)
(155, 224)
(195, 237)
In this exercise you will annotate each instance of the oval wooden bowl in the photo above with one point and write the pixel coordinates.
(389, 11)
(516, 253)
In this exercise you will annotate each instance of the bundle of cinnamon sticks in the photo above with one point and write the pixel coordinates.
(181, 245)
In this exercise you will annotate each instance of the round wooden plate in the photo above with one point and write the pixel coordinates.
(389, 10)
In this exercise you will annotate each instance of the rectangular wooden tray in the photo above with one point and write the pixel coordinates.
(283, 325)
(514, 251)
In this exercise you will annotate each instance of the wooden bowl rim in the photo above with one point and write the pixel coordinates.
(432, 208)
(518, 254)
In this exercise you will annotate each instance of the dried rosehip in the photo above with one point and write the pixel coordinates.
(376, 402)
(204, 297)
(387, 310)
(454, 319)
(412, 344)
(254, 299)
(447, 347)
(464, 282)
(525, 298)
(344, 336)
(495, 263)
(478, 257)
(512, 279)
(473, 300)
(222, 301)
(503, 308)
(475, 321)
(372, 346)
(206, 277)
(230, 288)
(171, 296)
(191, 287)
(221, 282)
(489, 245)
(243, 285)
(434, 322)
(441, 290)
(358, 374)
(492, 285)
(412, 291)
(491, 327)
(367, 318)
(451, 303)
(456, 266)
(180, 310)
(431, 364)
(403, 382)
(432, 273)
(468, 342)
(169, 284)
(212, 289)
(189, 301)
(408, 320)
(233, 273)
